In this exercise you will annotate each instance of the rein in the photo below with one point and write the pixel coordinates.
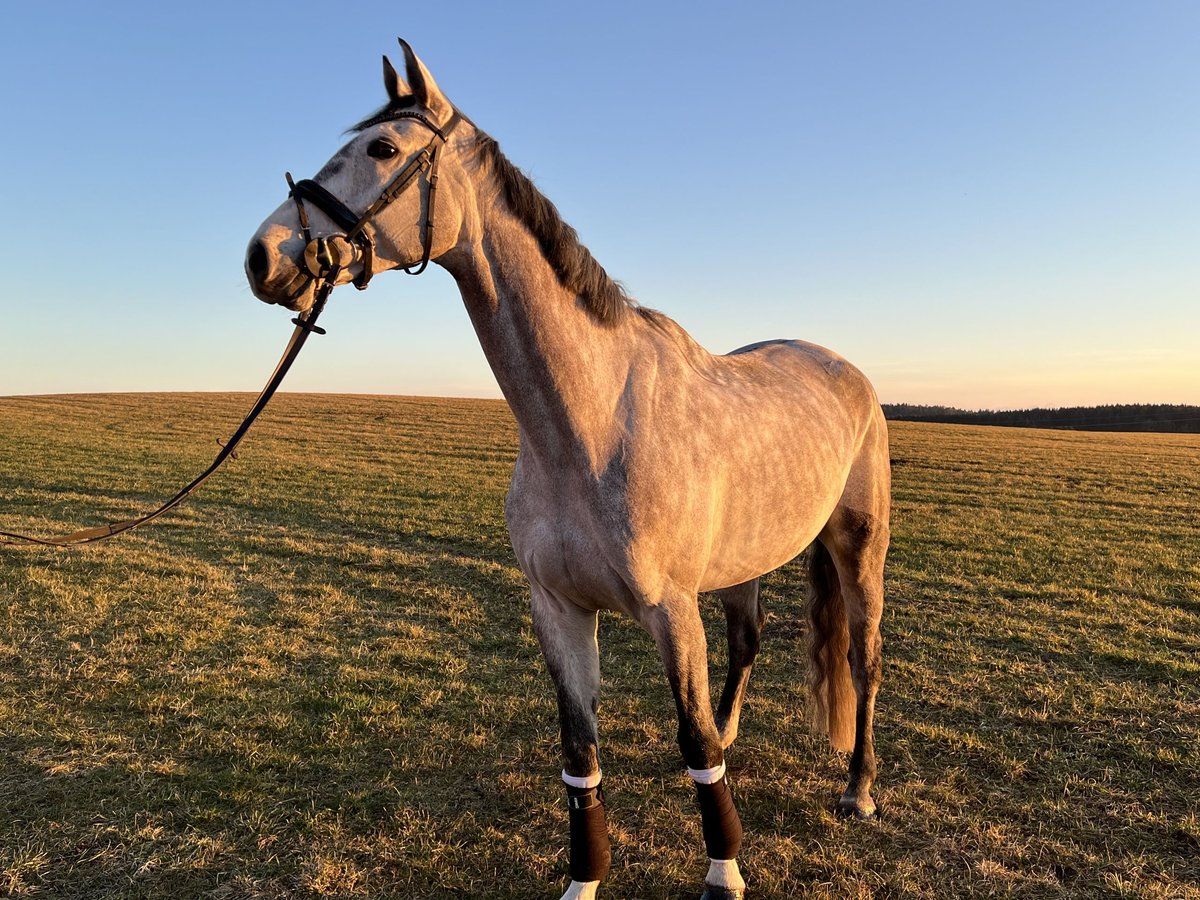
(305, 323)
(324, 262)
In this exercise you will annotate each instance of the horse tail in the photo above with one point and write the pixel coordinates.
(831, 699)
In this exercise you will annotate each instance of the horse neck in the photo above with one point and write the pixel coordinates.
(562, 372)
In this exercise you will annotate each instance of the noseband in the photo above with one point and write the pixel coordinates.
(324, 255)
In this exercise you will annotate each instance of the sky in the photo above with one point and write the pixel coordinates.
(984, 204)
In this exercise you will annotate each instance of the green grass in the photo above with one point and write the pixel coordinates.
(318, 677)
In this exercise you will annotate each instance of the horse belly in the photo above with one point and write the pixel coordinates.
(775, 494)
(751, 542)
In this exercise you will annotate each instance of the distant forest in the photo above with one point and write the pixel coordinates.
(1124, 417)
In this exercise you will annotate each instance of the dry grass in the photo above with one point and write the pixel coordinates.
(319, 679)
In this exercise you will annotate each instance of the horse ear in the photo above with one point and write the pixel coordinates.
(396, 88)
(424, 88)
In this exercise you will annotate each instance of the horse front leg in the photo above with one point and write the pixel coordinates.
(568, 638)
(679, 634)
(744, 619)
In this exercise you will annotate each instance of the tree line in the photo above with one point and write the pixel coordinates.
(1160, 417)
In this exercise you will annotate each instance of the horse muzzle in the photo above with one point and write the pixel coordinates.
(276, 276)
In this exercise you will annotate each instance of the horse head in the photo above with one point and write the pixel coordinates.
(370, 208)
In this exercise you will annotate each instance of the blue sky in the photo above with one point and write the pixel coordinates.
(983, 204)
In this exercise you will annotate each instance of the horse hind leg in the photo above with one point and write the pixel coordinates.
(855, 543)
(744, 619)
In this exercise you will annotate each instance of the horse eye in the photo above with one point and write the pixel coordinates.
(381, 149)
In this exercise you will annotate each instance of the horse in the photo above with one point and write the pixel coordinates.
(649, 470)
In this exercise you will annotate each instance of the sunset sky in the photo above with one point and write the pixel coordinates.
(979, 204)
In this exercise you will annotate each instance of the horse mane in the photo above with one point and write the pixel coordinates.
(572, 262)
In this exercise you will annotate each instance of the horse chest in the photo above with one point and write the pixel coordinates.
(562, 544)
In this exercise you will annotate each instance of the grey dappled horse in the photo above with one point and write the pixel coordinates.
(649, 469)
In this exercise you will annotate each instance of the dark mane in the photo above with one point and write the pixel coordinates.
(576, 268)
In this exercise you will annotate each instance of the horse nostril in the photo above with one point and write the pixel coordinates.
(257, 262)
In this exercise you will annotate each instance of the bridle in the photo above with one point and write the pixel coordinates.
(324, 253)
(324, 260)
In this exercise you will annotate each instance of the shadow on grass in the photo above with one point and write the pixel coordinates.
(344, 726)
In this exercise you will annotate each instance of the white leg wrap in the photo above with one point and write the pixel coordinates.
(708, 776)
(582, 781)
(581, 890)
(725, 873)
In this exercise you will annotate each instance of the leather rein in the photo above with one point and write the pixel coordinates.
(324, 259)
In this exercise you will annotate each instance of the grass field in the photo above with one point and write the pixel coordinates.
(318, 678)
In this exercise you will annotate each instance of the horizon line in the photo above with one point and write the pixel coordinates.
(981, 409)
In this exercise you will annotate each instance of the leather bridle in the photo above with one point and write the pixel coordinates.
(323, 262)
(320, 254)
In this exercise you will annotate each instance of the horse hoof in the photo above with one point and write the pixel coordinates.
(848, 809)
(712, 892)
